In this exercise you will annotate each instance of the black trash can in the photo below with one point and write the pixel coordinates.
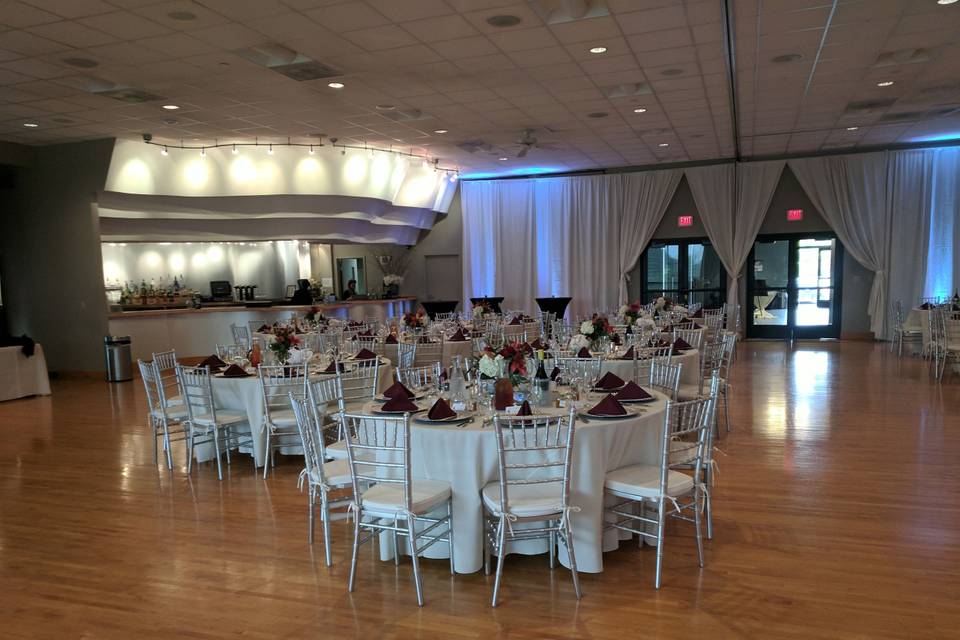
(117, 356)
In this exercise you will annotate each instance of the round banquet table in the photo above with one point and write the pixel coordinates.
(243, 394)
(450, 349)
(466, 457)
(689, 372)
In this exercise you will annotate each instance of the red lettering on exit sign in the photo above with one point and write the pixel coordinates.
(685, 221)
(794, 215)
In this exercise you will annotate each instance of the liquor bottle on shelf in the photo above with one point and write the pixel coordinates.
(143, 291)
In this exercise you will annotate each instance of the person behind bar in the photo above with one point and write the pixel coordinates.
(351, 290)
(302, 295)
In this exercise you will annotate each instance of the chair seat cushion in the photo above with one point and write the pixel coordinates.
(174, 414)
(526, 500)
(337, 472)
(643, 481)
(224, 416)
(337, 450)
(689, 392)
(386, 499)
(283, 418)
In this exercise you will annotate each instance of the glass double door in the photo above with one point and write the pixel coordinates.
(793, 287)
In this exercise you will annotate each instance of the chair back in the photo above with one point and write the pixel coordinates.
(693, 337)
(686, 432)
(665, 377)
(644, 357)
(535, 451)
(415, 378)
(151, 386)
(241, 335)
(358, 384)
(230, 352)
(729, 347)
(406, 354)
(378, 450)
(428, 353)
(311, 437)
(197, 393)
(277, 382)
(165, 362)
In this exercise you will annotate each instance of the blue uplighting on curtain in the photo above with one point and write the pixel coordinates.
(944, 204)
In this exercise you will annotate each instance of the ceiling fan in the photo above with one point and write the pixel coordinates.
(529, 141)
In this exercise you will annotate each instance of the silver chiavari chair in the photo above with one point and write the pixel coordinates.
(731, 315)
(428, 353)
(277, 382)
(161, 415)
(686, 426)
(901, 332)
(241, 335)
(665, 377)
(321, 477)
(711, 359)
(165, 364)
(369, 343)
(406, 354)
(358, 384)
(205, 423)
(230, 352)
(534, 458)
(644, 357)
(693, 337)
(419, 378)
(386, 497)
(723, 372)
(330, 341)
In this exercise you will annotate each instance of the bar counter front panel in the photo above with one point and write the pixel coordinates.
(196, 332)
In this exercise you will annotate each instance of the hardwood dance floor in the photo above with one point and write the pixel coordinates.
(837, 516)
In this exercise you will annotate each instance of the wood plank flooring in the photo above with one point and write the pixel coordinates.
(837, 516)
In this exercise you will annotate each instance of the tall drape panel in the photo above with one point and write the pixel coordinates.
(645, 197)
(499, 219)
(853, 194)
(733, 200)
(578, 224)
(911, 175)
(942, 277)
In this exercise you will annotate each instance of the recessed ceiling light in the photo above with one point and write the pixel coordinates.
(503, 21)
(83, 63)
(439, 130)
(171, 107)
(183, 16)
(598, 50)
(946, 1)
(31, 125)
(852, 128)
(885, 83)
(504, 158)
(386, 107)
(640, 110)
(335, 85)
(664, 144)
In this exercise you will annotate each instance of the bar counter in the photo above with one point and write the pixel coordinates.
(196, 332)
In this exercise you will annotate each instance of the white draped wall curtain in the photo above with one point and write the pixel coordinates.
(577, 236)
(897, 213)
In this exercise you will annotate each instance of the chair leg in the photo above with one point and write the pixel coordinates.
(227, 440)
(396, 544)
(450, 535)
(660, 526)
(568, 543)
(325, 517)
(708, 478)
(267, 456)
(552, 541)
(166, 446)
(355, 552)
(190, 445)
(486, 546)
(153, 429)
(726, 408)
(501, 555)
(311, 512)
(411, 533)
(216, 446)
(696, 521)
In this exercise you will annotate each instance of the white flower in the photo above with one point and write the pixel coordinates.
(645, 323)
(490, 367)
(624, 309)
(392, 278)
(578, 342)
(587, 328)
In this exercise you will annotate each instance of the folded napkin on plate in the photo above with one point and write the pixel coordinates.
(584, 353)
(616, 339)
(926, 306)
(333, 367)
(397, 390)
(525, 409)
(516, 320)
(609, 406)
(264, 328)
(457, 337)
(698, 313)
(233, 371)
(609, 381)
(396, 405)
(681, 345)
(214, 362)
(628, 354)
(539, 344)
(391, 339)
(555, 373)
(633, 391)
(365, 354)
(440, 410)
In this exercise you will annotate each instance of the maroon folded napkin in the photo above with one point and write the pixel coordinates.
(516, 320)
(616, 339)
(698, 313)
(628, 354)
(214, 362)
(397, 405)
(681, 345)
(525, 409)
(555, 373)
(365, 354)
(609, 380)
(440, 410)
(397, 390)
(457, 337)
(539, 344)
(926, 306)
(633, 391)
(584, 353)
(663, 343)
(264, 328)
(609, 406)
(233, 371)
(355, 323)
(333, 367)
(391, 339)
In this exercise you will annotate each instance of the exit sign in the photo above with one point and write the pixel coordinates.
(685, 221)
(794, 215)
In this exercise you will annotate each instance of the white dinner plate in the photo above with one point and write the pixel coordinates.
(460, 417)
(631, 412)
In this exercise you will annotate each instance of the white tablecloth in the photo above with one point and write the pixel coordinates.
(467, 458)
(243, 394)
(689, 372)
(450, 349)
(21, 376)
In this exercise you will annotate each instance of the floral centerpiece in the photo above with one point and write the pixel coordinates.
(596, 329)
(284, 339)
(489, 365)
(314, 315)
(481, 309)
(577, 342)
(516, 362)
(663, 304)
(416, 320)
(630, 312)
